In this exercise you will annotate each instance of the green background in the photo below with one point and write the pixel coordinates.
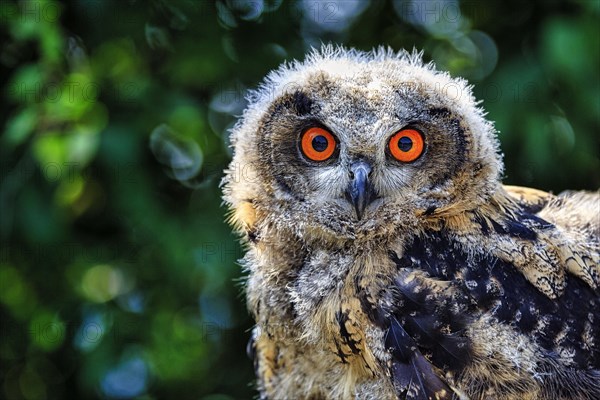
(118, 277)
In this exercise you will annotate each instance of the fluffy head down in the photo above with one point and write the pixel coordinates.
(362, 98)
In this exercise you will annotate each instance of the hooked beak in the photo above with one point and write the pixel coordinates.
(360, 191)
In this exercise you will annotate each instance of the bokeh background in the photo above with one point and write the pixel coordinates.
(118, 276)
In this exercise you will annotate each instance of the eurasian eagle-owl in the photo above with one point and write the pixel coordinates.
(385, 258)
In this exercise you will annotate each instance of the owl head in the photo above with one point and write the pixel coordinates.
(351, 145)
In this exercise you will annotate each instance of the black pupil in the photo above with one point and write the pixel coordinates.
(405, 143)
(319, 143)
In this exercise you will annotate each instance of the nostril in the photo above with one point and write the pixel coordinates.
(351, 175)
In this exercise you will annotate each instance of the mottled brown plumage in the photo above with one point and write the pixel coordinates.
(443, 283)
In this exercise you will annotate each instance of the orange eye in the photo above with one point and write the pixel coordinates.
(406, 145)
(317, 144)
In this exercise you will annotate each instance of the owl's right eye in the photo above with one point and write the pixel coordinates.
(317, 144)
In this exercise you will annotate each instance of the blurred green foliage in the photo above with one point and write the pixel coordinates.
(118, 276)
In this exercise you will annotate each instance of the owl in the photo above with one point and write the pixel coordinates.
(384, 257)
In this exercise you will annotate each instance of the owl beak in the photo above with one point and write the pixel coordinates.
(360, 191)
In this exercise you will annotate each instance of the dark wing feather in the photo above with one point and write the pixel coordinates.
(413, 376)
(400, 344)
(449, 344)
(427, 385)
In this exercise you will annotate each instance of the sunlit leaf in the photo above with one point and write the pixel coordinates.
(20, 126)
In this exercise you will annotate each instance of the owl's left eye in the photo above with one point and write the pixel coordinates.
(317, 144)
(406, 145)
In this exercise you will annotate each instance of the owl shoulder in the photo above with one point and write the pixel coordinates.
(546, 237)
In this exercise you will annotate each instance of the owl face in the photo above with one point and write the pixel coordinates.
(346, 143)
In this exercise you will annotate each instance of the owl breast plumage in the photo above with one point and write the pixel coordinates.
(386, 260)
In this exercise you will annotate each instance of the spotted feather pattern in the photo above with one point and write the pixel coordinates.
(441, 289)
